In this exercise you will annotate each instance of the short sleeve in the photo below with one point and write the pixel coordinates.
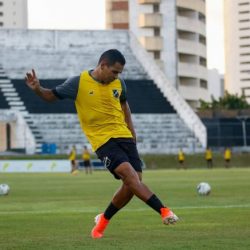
(123, 96)
(68, 89)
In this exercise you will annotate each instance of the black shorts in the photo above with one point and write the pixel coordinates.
(86, 163)
(119, 150)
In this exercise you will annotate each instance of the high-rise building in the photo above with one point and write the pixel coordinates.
(117, 14)
(174, 33)
(237, 46)
(13, 14)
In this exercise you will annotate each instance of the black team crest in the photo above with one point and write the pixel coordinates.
(115, 93)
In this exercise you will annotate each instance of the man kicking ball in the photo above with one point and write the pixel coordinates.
(105, 117)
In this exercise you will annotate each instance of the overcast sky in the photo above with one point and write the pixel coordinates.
(90, 14)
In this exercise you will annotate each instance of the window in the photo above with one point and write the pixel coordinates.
(203, 61)
(1, 13)
(203, 84)
(157, 32)
(202, 18)
(1, 3)
(156, 8)
(1, 24)
(202, 39)
(157, 55)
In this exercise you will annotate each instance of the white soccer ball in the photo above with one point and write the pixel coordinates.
(203, 188)
(4, 189)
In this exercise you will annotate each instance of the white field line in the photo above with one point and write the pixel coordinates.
(91, 210)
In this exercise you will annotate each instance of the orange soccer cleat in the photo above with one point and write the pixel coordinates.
(168, 217)
(101, 224)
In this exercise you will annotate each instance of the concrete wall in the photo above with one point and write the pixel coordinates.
(66, 52)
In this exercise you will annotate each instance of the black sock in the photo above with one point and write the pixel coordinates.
(155, 203)
(110, 211)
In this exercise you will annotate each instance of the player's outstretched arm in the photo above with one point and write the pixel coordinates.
(33, 83)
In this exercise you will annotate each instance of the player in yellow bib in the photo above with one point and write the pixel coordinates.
(181, 159)
(86, 160)
(105, 117)
(227, 157)
(209, 157)
(72, 158)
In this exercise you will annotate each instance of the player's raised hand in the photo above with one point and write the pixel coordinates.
(31, 80)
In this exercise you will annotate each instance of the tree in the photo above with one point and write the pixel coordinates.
(228, 101)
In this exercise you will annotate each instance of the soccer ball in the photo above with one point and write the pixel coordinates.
(4, 189)
(203, 188)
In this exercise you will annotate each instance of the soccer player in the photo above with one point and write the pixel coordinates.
(227, 157)
(86, 160)
(105, 117)
(181, 159)
(209, 157)
(72, 158)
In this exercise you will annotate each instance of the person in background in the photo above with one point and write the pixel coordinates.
(227, 157)
(86, 160)
(181, 159)
(72, 158)
(209, 157)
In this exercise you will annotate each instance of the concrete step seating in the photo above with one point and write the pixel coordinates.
(65, 131)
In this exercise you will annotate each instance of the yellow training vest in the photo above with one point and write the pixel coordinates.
(208, 154)
(86, 156)
(181, 156)
(99, 110)
(72, 155)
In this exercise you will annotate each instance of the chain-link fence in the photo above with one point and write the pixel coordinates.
(228, 132)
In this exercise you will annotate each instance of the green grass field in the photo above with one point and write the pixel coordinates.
(55, 211)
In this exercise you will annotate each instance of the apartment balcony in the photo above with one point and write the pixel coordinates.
(149, 1)
(150, 20)
(192, 25)
(245, 66)
(152, 43)
(199, 6)
(245, 59)
(245, 33)
(243, 25)
(244, 50)
(192, 70)
(191, 47)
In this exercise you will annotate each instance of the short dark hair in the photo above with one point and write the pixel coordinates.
(112, 56)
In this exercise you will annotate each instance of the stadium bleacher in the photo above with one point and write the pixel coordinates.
(57, 55)
(3, 103)
(143, 97)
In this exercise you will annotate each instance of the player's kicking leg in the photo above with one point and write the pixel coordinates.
(120, 199)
